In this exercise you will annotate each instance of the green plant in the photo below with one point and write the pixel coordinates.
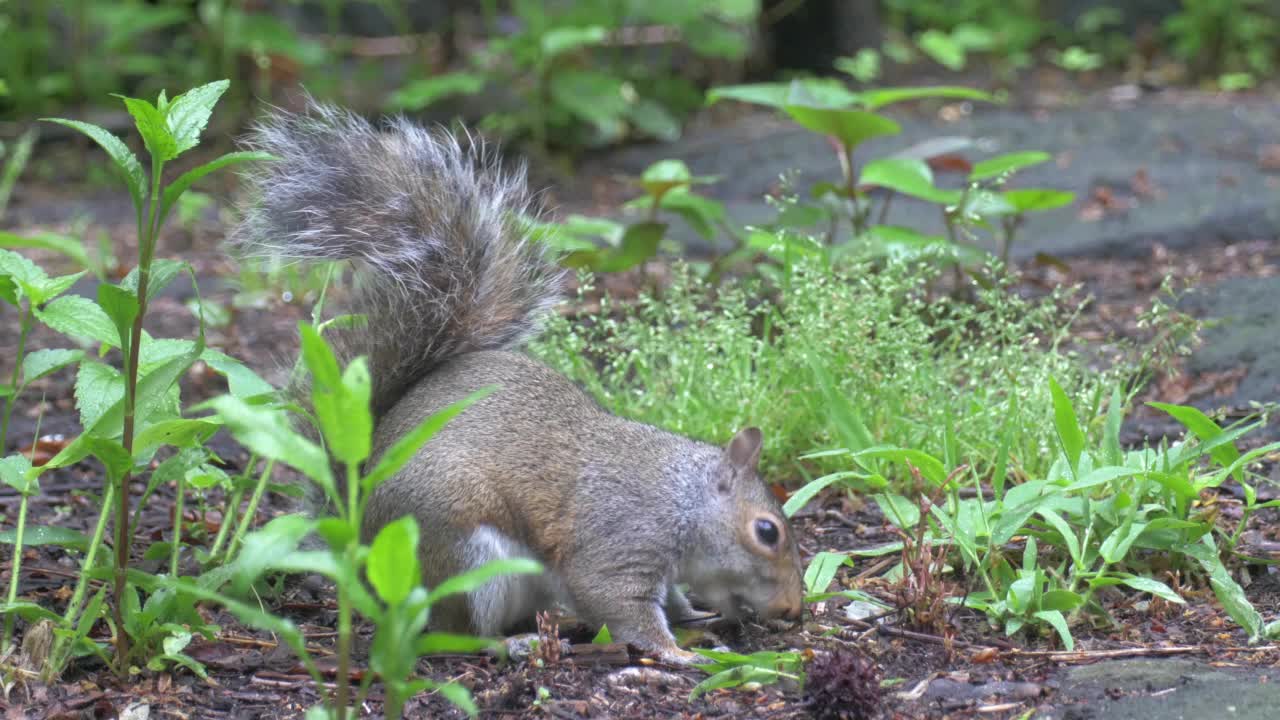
(601, 245)
(576, 82)
(849, 119)
(1099, 518)
(928, 372)
(399, 606)
(15, 162)
(1223, 36)
(127, 415)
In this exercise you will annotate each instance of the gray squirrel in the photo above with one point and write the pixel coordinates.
(618, 512)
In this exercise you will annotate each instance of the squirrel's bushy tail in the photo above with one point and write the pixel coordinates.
(434, 224)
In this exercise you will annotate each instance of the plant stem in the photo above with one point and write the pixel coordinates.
(245, 520)
(177, 526)
(17, 368)
(16, 568)
(82, 581)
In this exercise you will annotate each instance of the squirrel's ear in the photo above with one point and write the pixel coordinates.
(743, 452)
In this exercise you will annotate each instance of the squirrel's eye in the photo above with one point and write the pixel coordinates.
(767, 531)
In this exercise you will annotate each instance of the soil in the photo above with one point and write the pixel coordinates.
(948, 664)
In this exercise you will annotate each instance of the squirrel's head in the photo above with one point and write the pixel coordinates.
(749, 558)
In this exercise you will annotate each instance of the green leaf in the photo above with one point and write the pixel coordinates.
(595, 96)
(1059, 623)
(639, 243)
(734, 677)
(898, 510)
(1116, 547)
(1061, 600)
(1064, 418)
(1006, 164)
(153, 127)
(180, 432)
(810, 490)
(942, 48)
(46, 535)
(189, 113)
(241, 381)
(98, 387)
(159, 275)
(663, 176)
(122, 307)
(79, 317)
(176, 188)
(603, 636)
(30, 612)
(1033, 200)
(418, 94)
(436, 643)
(1204, 428)
(1111, 431)
(65, 244)
(828, 92)
(46, 362)
(135, 177)
(558, 41)
(850, 127)
(822, 570)
(475, 579)
(392, 565)
(262, 547)
(908, 176)
(266, 431)
(1155, 587)
(880, 97)
(114, 458)
(13, 472)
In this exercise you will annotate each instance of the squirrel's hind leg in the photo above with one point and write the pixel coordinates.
(506, 600)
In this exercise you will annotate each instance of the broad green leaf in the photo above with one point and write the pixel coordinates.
(30, 612)
(595, 96)
(930, 468)
(1061, 600)
(54, 287)
(603, 637)
(65, 244)
(1203, 427)
(878, 98)
(114, 458)
(905, 243)
(828, 92)
(418, 94)
(1116, 547)
(1069, 433)
(1155, 587)
(122, 307)
(159, 275)
(392, 565)
(79, 317)
(153, 128)
(639, 243)
(135, 177)
(267, 432)
(1101, 476)
(850, 127)
(557, 41)
(47, 535)
(943, 49)
(319, 359)
(98, 387)
(1067, 534)
(475, 579)
(1006, 164)
(24, 273)
(898, 510)
(436, 643)
(241, 381)
(801, 497)
(176, 188)
(40, 363)
(734, 677)
(1033, 200)
(262, 547)
(180, 432)
(189, 113)
(345, 415)
(908, 176)
(1059, 623)
(13, 472)
(822, 570)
